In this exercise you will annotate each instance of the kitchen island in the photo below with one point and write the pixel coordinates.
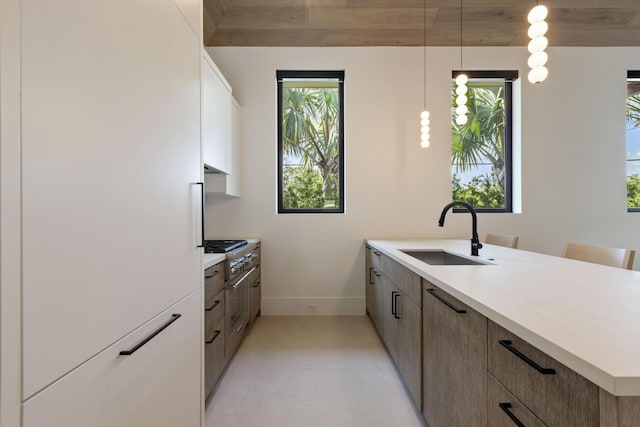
(583, 315)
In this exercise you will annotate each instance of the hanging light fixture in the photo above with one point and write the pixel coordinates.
(538, 43)
(424, 116)
(461, 89)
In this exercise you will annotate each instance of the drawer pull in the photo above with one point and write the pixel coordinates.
(174, 317)
(445, 302)
(256, 285)
(371, 282)
(395, 304)
(212, 306)
(506, 407)
(215, 335)
(377, 253)
(544, 371)
(215, 273)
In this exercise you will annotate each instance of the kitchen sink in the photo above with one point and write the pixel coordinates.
(440, 257)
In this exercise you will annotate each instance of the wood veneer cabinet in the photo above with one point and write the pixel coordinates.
(554, 393)
(454, 361)
(374, 294)
(397, 315)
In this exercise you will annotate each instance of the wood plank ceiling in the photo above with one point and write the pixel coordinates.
(402, 22)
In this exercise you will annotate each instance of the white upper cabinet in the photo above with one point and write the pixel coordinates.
(216, 117)
(110, 155)
(220, 184)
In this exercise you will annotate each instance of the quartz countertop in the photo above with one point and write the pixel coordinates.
(584, 315)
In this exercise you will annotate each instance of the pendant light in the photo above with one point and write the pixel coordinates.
(461, 89)
(424, 116)
(538, 43)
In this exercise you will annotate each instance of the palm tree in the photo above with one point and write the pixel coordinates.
(310, 133)
(481, 139)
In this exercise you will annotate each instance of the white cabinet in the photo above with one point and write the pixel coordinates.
(158, 385)
(110, 213)
(220, 184)
(216, 117)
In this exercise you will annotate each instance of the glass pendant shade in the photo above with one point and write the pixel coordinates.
(538, 44)
(538, 59)
(424, 129)
(538, 29)
(538, 74)
(462, 79)
(461, 90)
(461, 120)
(537, 14)
(461, 100)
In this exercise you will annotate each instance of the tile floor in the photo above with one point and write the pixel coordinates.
(311, 371)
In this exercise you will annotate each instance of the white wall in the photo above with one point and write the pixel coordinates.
(573, 162)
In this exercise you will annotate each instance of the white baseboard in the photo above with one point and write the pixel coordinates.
(354, 306)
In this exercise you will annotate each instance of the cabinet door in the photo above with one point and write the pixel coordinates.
(455, 361)
(389, 316)
(110, 152)
(410, 346)
(375, 297)
(158, 385)
(216, 118)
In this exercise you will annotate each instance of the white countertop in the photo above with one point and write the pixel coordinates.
(586, 316)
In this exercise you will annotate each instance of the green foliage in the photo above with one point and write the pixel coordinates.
(480, 192)
(633, 191)
(310, 133)
(633, 109)
(302, 188)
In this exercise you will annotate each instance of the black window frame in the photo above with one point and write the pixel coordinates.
(509, 76)
(631, 74)
(311, 74)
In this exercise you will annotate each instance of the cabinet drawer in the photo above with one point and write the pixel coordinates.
(213, 282)
(215, 361)
(214, 312)
(405, 279)
(505, 410)
(157, 385)
(555, 393)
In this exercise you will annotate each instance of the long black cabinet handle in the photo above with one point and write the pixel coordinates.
(544, 371)
(370, 278)
(215, 273)
(212, 306)
(506, 407)
(445, 302)
(174, 317)
(201, 184)
(395, 304)
(215, 335)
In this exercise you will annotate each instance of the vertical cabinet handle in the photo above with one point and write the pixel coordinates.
(201, 184)
(174, 317)
(445, 302)
(506, 407)
(395, 304)
(370, 278)
(509, 346)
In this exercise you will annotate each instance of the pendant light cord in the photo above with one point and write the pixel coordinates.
(461, 67)
(424, 57)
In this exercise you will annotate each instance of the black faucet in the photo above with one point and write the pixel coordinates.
(475, 242)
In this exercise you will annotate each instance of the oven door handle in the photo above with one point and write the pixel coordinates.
(242, 279)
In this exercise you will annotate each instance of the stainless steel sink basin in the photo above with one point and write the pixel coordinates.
(440, 257)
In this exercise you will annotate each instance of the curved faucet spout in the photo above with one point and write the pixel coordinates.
(475, 241)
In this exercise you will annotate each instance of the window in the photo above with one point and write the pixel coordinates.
(310, 141)
(633, 141)
(481, 163)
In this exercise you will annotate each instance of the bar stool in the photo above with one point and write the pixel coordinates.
(614, 257)
(502, 240)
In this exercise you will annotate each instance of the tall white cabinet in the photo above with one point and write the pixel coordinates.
(108, 133)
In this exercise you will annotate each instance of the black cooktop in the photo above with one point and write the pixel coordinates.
(222, 246)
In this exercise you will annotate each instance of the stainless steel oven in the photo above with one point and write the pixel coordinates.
(240, 265)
